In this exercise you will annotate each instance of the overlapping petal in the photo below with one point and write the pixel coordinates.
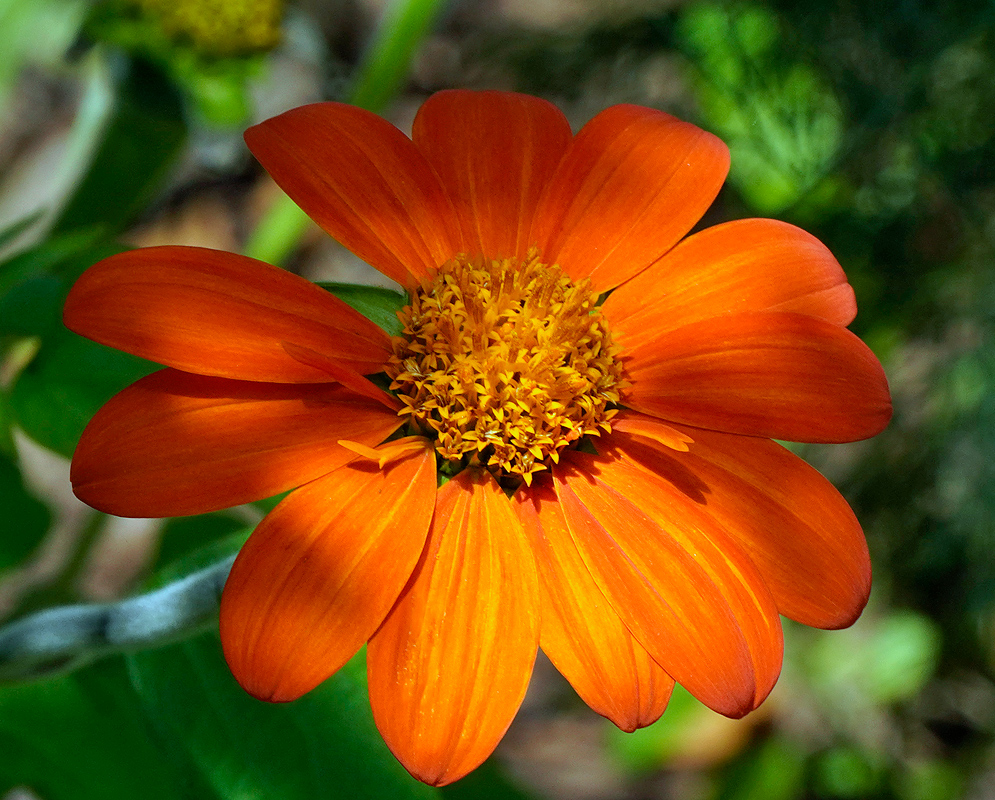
(495, 152)
(581, 633)
(450, 666)
(746, 265)
(777, 375)
(175, 444)
(792, 522)
(364, 182)
(221, 314)
(682, 586)
(322, 570)
(632, 184)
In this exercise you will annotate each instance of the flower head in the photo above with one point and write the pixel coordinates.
(595, 393)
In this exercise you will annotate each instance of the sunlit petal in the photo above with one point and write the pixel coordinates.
(581, 633)
(633, 182)
(794, 525)
(364, 182)
(321, 571)
(221, 314)
(174, 443)
(451, 663)
(746, 265)
(682, 586)
(776, 375)
(495, 153)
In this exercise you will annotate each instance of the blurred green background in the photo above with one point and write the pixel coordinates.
(870, 124)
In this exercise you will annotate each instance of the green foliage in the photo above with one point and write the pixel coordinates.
(60, 390)
(323, 745)
(174, 724)
(67, 378)
(140, 145)
(376, 304)
(781, 120)
(775, 770)
(83, 737)
(25, 517)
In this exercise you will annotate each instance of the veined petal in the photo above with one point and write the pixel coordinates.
(173, 443)
(221, 314)
(450, 665)
(321, 571)
(746, 265)
(364, 182)
(580, 632)
(494, 152)
(684, 589)
(770, 374)
(796, 528)
(632, 184)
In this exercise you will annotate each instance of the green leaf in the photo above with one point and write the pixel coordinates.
(25, 517)
(373, 302)
(486, 782)
(775, 770)
(83, 737)
(323, 745)
(34, 284)
(55, 396)
(141, 143)
(184, 539)
(15, 229)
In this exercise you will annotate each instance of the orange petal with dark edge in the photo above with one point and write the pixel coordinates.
(632, 184)
(770, 374)
(684, 589)
(321, 571)
(449, 667)
(580, 632)
(221, 314)
(364, 182)
(792, 523)
(494, 152)
(746, 265)
(174, 444)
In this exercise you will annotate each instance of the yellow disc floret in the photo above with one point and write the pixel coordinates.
(504, 363)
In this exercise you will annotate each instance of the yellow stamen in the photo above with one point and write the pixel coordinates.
(505, 362)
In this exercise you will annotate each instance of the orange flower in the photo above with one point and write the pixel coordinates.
(613, 493)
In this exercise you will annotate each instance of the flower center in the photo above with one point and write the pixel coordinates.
(504, 363)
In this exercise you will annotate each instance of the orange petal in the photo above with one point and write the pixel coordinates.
(776, 375)
(791, 521)
(632, 184)
(321, 571)
(217, 313)
(747, 265)
(364, 182)
(681, 585)
(495, 152)
(653, 429)
(174, 444)
(353, 381)
(388, 452)
(450, 666)
(581, 634)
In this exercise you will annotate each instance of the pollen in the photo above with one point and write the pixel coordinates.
(504, 363)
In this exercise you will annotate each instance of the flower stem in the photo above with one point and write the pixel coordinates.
(378, 78)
